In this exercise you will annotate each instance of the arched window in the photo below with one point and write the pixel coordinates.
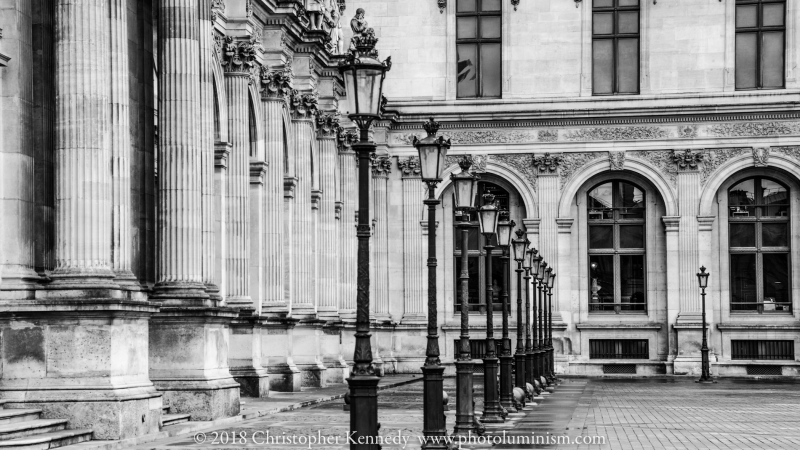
(477, 254)
(758, 237)
(617, 241)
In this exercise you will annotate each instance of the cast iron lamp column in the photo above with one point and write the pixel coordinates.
(552, 359)
(545, 344)
(530, 325)
(465, 188)
(432, 152)
(520, 249)
(536, 261)
(492, 413)
(506, 381)
(702, 279)
(540, 322)
(363, 77)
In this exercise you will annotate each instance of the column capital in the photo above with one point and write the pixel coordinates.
(381, 166)
(547, 164)
(316, 198)
(531, 225)
(238, 57)
(275, 84)
(304, 106)
(410, 167)
(289, 186)
(258, 171)
(328, 125)
(564, 224)
(221, 152)
(345, 138)
(671, 223)
(687, 160)
(705, 223)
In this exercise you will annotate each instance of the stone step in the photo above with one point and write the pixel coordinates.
(18, 415)
(31, 428)
(172, 419)
(53, 439)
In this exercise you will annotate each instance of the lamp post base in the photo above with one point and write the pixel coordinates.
(434, 428)
(364, 411)
(519, 369)
(530, 371)
(465, 406)
(506, 382)
(492, 412)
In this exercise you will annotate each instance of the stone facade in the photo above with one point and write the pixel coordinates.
(184, 234)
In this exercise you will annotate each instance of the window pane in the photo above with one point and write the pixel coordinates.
(465, 5)
(601, 197)
(776, 197)
(602, 66)
(772, 59)
(467, 70)
(746, 60)
(775, 235)
(628, 2)
(776, 281)
(743, 235)
(632, 196)
(472, 239)
(602, 3)
(746, 16)
(490, 27)
(628, 22)
(466, 27)
(741, 196)
(474, 286)
(628, 66)
(490, 70)
(497, 282)
(603, 23)
(601, 236)
(631, 236)
(772, 15)
(490, 5)
(632, 282)
(603, 275)
(743, 282)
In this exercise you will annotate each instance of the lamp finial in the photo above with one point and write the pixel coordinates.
(431, 126)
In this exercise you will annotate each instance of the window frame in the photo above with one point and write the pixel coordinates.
(759, 30)
(759, 249)
(478, 41)
(617, 251)
(615, 36)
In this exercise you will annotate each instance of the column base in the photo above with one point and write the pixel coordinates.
(252, 382)
(276, 346)
(312, 375)
(506, 382)
(492, 412)
(465, 404)
(284, 378)
(203, 400)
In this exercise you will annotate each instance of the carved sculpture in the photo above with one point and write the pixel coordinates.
(359, 26)
(686, 159)
(337, 36)
(760, 156)
(547, 163)
(315, 11)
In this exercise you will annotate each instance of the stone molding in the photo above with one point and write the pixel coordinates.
(706, 223)
(217, 8)
(258, 172)
(564, 225)
(522, 163)
(671, 223)
(222, 151)
(289, 187)
(760, 156)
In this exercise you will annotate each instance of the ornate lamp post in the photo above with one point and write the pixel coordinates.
(520, 251)
(363, 76)
(545, 344)
(432, 151)
(504, 229)
(488, 217)
(551, 370)
(539, 370)
(530, 333)
(465, 186)
(702, 280)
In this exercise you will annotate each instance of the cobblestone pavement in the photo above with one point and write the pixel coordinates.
(665, 413)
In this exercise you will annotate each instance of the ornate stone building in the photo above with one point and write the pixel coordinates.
(178, 208)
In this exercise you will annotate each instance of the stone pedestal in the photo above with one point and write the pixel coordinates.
(689, 339)
(307, 356)
(189, 361)
(276, 347)
(245, 355)
(81, 360)
(336, 367)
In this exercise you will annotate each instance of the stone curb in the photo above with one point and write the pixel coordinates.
(191, 427)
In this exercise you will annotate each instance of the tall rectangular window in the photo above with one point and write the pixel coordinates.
(478, 44)
(615, 47)
(760, 44)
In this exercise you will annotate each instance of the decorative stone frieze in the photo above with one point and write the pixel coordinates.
(381, 166)
(617, 134)
(661, 160)
(410, 167)
(616, 160)
(275, 84)
(547, 135)
(760, 156)
(547, 164)
(521, 163)
(238, 56)
(304, 106)
(791, 152)
(687, 131)
(327, 126)
(717, 157)
(740, 129)
(571, 162)
(478, 162)
(217, 7)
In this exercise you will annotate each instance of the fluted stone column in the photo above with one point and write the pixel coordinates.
(548, 196)
(415, 290)
(381, 167)
(348, 243)
(222, 151)
(329, 243)
(189, 323)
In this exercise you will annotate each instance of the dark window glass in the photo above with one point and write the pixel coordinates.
(760, 44)
(759, 246)
(617, 237)
(479, 48)
(615, 47)
(474, 280)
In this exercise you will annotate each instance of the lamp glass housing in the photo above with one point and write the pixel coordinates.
(542, 268)
(529, 256)
(363, 82)
(520, 246)
(431, 159)
(464, 185)
(504, 233)
(535, 262)
(547, 274)
(488, 216)
(552, 281)
(702, 278)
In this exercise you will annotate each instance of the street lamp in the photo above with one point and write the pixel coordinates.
(520, 256)
(552, 367)
(465, 186)
(504, 229)
(545, 327)
(363, 76)
(538, 357)
(488, 217)
(432, 151)
(530, 333)
(702, 280)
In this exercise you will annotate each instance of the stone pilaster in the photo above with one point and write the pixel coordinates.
(548, 195)
(381, 167)
(258, 217)
(415, 292)
(222, 151)
(246, 357)
(347, 229)
(328, 241)
(238, 66)
(275, 90)
(304, 111)
(277, 345)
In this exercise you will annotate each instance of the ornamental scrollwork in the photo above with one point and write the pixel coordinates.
(547, 163)
(744, 129)
(714, 158)
(572, 162)
(217, 7)
(478, 161)
(238, 56)
(617, 134)
(616, 160)
(327, 125)
(760, 156)
(521, 163)
(303, 106)
(687, 159)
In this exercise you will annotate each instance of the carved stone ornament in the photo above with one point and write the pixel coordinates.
(546, 164)
(219, 42)
(384, 102)
(346, 138)
(275, 84)
(616, 160)
(303, 106)
(522, 163)
(637, 133)
(572, 162)
(238, 56)
(478, 162)
(248, 8)
(442, 4)
(515, 3)
(217, 7)
(686, 159)
(327, 125)
(760, 156)
(381, 166)
(410, 167)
